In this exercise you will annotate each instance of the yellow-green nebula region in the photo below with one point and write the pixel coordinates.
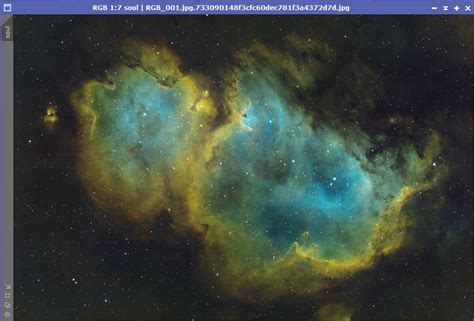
(286, 202)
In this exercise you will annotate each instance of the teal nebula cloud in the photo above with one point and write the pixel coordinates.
(281, 177)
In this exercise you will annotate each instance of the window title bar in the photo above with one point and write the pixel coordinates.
(279, 7)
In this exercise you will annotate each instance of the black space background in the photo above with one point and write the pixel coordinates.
(424, 65)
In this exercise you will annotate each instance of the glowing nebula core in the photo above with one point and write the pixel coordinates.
(286, 202)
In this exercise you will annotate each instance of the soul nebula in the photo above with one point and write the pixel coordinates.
(288, 195)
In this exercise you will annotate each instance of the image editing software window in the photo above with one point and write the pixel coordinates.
(244, 167)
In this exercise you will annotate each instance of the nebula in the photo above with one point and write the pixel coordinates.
(293, 202)
(285, 200)
(137, 130)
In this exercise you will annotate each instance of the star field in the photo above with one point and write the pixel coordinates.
(260, 169)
